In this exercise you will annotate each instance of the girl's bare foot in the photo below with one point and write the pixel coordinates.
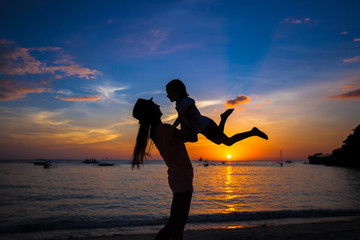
(259, 133)
(227, 113)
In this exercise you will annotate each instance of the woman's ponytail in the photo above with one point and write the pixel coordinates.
(142, 140)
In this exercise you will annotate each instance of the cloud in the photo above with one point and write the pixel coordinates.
(231, 103)
(207, 103)
(73, 70)
(19, 61)
(262, 104)
(107, 92)
(48, 118)
(154, 42)
(12, 90)
(154, 38)
(80, 98)
(103, 94)
(353, 59)
(351, 85)
(44, 49)
(344, 33)
(356, 40)
(54, 126)
(85, 136)
(153, 92)
(355, 94)
(6, 42)
(297, 21)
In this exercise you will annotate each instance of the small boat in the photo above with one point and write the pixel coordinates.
(47, 164)
(203, 162)
(90, 161)
(42, 162)
(206, 163)
(105, 164)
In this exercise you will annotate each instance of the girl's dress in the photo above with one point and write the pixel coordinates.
(203, 124)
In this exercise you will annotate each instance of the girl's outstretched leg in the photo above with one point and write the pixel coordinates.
(224, 116)
(241, 136)
(259, 133)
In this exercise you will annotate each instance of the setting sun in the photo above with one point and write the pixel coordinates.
(228, 156)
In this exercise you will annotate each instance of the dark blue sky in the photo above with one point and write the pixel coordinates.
(70, 72)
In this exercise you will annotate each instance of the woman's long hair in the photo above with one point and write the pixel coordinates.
(142, 145)
(146, 112)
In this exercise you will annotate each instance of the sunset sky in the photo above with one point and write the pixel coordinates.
(71, 71)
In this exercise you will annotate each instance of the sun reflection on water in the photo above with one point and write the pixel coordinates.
(229, 190)
(234, 227)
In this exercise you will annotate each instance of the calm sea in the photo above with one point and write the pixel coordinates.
(76, 199)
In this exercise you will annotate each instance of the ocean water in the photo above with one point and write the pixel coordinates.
(76, 199)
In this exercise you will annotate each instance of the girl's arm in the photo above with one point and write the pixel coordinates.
(177, 122)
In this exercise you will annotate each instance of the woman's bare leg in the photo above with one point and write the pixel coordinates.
(179, 213)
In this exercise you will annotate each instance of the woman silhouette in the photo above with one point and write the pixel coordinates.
(173, 151)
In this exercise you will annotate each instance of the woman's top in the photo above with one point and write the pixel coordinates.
(182, 107)
(173, 151)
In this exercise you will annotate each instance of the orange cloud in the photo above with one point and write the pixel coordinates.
(262, 104)
(11, 90)
(351, 85)
(18, 61)
(344, 33)
(353, 59)
(231, 103)
(80, 98)
(357, 40)
(74, 70)
(355, 94)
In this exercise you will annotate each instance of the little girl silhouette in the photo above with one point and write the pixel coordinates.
(192, 122)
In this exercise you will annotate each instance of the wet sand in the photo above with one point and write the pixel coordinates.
(349, 230)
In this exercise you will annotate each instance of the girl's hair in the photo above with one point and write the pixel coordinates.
(177, 84)
(144, 112)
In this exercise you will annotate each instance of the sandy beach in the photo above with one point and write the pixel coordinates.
(349, 230)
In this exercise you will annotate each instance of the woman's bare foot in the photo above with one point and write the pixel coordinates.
(259, 133)
(226, 114)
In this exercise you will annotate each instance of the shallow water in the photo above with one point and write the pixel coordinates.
(76, 197)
